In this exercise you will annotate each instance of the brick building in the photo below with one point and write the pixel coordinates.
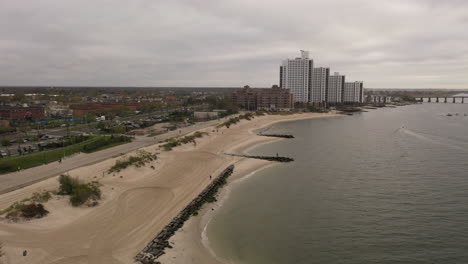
(83, 109)
(20, 113)
(263, 99)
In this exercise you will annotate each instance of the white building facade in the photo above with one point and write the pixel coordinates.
(319, 87)
(296, 75)
(335, 88)
(353, 92)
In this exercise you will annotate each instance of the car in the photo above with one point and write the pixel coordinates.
(3, 153)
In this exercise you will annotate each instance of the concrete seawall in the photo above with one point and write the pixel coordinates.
(155, 248)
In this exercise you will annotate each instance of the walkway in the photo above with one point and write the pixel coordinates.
(12, 181)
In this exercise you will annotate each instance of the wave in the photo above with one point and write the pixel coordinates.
(224, 195)
(436, 139)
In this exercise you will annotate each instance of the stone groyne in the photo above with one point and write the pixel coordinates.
(270, 158)
(155, 248)
(277, 135)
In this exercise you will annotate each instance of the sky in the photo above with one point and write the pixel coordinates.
(231, 43)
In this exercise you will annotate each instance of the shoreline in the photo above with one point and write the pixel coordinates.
(137, 203)
(190, 244)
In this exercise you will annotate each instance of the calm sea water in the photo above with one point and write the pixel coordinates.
(386, 186)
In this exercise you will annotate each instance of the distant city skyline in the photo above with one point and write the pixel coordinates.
(388, 44)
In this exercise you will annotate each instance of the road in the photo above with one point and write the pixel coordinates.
(12, 181)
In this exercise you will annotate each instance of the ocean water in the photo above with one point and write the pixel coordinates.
(386, 186)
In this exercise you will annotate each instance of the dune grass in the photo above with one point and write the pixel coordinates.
(80, 193)
(174, 142)
(139, 160)
(28, 208)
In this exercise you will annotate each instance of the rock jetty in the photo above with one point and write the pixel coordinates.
(155, 248)
(270, 158)
(277, 135)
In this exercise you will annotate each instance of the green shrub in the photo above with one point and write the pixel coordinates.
(33, 210)
(80, 193)
(5, 142)
(7, 167)
(67, 184)
(83, 193)
(104, 142)
(28, 211)
(15, 209)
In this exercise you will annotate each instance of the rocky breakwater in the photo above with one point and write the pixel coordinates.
(155, 248)
(277, 135)
(270, 158)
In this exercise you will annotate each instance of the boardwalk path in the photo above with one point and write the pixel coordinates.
(12, 181)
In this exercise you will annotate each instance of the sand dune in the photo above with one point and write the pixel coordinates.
(137, 203)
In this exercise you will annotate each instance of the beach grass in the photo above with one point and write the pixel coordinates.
(174, 142)
(37, 197)
(139, 160)
(80, 193)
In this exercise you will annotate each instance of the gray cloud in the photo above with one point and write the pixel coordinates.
(398, 43)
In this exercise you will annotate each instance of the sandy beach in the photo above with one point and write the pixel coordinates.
(136, 204)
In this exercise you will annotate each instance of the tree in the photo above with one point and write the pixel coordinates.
(5, 142)
(19, 97)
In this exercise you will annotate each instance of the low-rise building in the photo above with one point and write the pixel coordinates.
(56, 109)
(274, 98)
(99, 108)
(22, 113)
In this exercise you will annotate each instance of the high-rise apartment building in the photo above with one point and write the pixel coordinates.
(296, 75)
(318, 90)
(353, 92)
(335, 88)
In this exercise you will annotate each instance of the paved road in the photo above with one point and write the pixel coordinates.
(12, 181)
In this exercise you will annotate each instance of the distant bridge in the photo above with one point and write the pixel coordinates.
(438, 99)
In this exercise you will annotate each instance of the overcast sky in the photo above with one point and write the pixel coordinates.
(385, 43)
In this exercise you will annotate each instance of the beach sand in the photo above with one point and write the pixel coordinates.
(137, 203)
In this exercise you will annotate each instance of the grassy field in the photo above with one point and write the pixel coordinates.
(15, 163)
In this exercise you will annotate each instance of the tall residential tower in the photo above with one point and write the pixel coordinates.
(318, 90)
(353, 92)
(296, 75)
(335, 88)
(316, 85)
